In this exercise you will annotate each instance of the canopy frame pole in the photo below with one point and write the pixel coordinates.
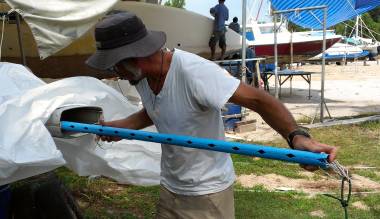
(243, 52)
(275, 55)
(324, 24)
(243, 43)
(323, 103)
(20, 38)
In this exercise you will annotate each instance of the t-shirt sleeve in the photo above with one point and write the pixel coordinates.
(211, 86)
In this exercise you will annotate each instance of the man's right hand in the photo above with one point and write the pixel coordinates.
(107, 138)
(138, 120)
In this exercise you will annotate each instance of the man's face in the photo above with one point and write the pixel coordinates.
(127, 69)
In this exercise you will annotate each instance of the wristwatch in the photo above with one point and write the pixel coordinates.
(298, 131)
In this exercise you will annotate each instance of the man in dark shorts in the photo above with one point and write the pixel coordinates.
(220, 13)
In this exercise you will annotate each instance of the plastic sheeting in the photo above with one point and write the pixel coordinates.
(27, 149)
(338, 11)
(56, 23)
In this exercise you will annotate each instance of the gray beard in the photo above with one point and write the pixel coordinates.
(134, 82)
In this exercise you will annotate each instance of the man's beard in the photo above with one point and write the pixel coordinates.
(134, 82)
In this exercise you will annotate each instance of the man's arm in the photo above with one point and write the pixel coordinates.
(272, 111)
(138, 120)
(278, 117)
(212, 11)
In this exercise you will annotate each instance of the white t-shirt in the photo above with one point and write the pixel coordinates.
(190, 103)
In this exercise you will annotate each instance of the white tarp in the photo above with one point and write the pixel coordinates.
(27, 149)
(57, 23)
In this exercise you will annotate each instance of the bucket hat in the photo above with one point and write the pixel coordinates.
(121, 36)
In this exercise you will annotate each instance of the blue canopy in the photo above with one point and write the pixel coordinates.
(338, 11)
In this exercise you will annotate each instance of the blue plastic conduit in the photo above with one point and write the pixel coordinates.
(294, 156)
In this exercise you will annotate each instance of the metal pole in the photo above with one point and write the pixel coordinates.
(243, 42)
(299, 9)
(357, 27)
(275, 54)
(323, 64)
(291, 50)
(20, 39)
(296, 156)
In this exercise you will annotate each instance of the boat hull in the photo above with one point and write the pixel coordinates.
(185, 30)
(301, 50)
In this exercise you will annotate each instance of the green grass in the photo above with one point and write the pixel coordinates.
(264, 204)
(103, 198)
(358, 145)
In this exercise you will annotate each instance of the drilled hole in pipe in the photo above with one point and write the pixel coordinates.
(168, 139)
(189, 142)
(86, 128)
(290, 155)
(150, 136)
(71, 126)
(235, 148)
(116, 132)
(100, 130)
(211, 145)
(132, 134)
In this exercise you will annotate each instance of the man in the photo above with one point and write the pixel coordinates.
(183, 94)
(220, 13)
(234, 25)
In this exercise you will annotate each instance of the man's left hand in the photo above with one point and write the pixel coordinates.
(307, 144)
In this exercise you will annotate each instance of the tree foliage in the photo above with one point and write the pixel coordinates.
(375, 14)
(175, 3)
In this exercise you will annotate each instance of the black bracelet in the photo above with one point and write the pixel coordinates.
(292, 134)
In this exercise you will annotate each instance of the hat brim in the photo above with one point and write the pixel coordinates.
(146, 46)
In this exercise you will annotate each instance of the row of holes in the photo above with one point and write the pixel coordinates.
(189, 142)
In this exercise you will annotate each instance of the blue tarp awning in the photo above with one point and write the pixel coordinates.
(338, 11)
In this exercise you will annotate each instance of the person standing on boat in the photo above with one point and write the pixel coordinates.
(183, 93)
(220, 13)
(234, 25)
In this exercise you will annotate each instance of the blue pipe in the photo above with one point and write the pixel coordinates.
(294, 156)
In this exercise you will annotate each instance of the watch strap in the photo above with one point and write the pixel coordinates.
(295, 133)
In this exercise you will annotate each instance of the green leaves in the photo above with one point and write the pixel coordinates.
(175, 3)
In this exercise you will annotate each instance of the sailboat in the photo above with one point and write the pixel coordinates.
(366, 44)
(342, 52)
(296, 46)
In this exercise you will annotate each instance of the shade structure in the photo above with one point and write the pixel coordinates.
(338, 11)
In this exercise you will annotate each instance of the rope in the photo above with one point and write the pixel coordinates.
(344, 175)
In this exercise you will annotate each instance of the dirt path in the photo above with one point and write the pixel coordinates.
(274, 182)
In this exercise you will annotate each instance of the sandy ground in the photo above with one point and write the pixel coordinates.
(311, 186)
(349, 90)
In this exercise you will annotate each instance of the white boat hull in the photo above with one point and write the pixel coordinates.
(184, 29)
